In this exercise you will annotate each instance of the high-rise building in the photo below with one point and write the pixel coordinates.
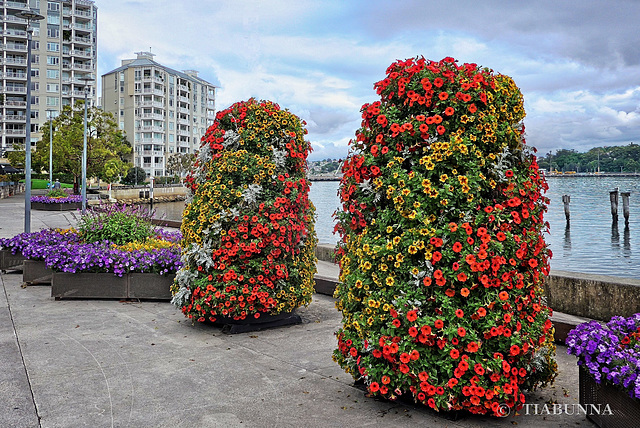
(63, 57)
(162, 111)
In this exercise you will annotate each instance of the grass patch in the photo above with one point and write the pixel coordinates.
(42, 184)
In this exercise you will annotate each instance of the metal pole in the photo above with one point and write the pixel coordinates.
(50, 151)
(84, 157)
(27, 143)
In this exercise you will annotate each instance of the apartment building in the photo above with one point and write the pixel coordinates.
(161, 110)
(63, 57)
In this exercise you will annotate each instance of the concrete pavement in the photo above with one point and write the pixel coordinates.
(106, 363)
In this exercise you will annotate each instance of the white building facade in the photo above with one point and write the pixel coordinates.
(161, 110)
(63, 64)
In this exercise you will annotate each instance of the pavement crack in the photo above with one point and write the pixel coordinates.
(24, 365)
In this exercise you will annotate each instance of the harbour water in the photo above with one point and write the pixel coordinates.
(591, 243)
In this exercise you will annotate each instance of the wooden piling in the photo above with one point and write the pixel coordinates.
(566, 199)
(625, 206)
(613, 197)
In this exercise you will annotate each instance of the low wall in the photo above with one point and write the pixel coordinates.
(7, 189)
(160, 194)
(592, 296)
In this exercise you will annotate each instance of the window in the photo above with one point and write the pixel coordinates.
(52, 101)
(121, 125)
(35, 45)
(53, 6)
(53, 60)
(121, 101)
(137, 74)
(53, 87)
(35, 72)
(53, 31)
(171, 125)
(171, 138)
(53, 47)
(35, 100)
(53, 19)
(35, 59)
(53, 74)
(35, 86)
(121, 112)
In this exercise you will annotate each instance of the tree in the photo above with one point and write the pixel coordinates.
(107, 146)
(180, 163)
(135, 175)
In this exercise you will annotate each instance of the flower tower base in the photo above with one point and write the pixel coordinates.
(231, 326)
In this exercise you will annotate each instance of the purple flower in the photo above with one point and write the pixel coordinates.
(610, 352)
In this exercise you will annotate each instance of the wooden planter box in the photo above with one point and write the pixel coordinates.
(69, 206)
(10, 261)
(87, 285)
(36, 272)
(625, 411)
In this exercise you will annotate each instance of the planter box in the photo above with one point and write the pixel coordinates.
(87, 285)
(598, 399)
(150, 286)
(36, 272)
(10, 261)
(70, 206)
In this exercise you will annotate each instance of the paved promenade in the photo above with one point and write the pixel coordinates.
(107, 363)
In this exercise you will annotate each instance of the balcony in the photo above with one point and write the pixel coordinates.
(80, 53)
(76, 66)
(151, 116)
(15, 5)
(151, 104)
(14, 118)
(19, 76)
(151, 129)
(152, 91)
(14, 90)
(82, 40)
(82, 13)
(14, 33)
(15, 132)
(11, 18)
(82, 27)
(15, 47)
(12, 103)
(151, 140)
(15, 61)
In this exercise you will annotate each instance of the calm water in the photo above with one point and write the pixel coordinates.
(592, 244)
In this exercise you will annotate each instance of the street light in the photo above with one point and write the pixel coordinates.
(50, 113)
(86, 79)
(29, 15)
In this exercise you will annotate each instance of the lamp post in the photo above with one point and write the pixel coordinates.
(86, 79)
(50, 113)
(29, 15)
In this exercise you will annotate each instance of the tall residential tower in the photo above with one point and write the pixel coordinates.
(162, 111)
(63, 56)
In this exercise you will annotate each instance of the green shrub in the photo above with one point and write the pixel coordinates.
(118, 224)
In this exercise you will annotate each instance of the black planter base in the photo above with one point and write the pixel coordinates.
(231, 326)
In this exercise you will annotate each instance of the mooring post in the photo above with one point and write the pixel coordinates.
(625, 206)
(613, 196)
(566, 199)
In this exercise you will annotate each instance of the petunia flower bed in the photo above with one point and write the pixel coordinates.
(57, 197)
(441, 250)
(611, 352)
(249, 239)
(67, 250)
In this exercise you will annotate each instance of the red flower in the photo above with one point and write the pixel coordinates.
(457, 247)
(514, 350)
(461, 331)
(459, 313)
(374, 387)
(412, 316)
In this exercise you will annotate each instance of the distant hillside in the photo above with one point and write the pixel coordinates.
(610, 159)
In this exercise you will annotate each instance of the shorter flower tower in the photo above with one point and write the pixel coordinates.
(249, 242)
(442, 256)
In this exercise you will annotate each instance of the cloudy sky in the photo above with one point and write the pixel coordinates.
(577, 62)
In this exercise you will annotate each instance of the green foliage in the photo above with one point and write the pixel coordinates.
(167, 180)
(57, 193)
(120, 225)
(609, 159)
(135, 175)
(107, 146)
(180, 163)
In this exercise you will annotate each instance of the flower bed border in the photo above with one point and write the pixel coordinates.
(105, 285)
(67, 206)
(36, 272)
(8, 260)
(625, 411)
